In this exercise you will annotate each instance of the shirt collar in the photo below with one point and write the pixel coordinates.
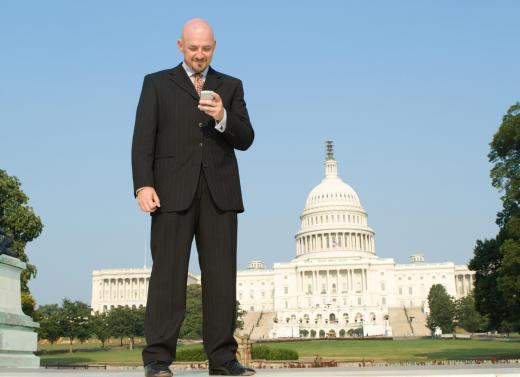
(191, 72)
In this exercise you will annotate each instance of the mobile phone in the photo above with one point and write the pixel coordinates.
(207, 94)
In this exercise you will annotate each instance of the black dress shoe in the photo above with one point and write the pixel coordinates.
(157, 369)
(230, 368)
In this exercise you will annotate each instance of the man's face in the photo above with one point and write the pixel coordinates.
(197, 45)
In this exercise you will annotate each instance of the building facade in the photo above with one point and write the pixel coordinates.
(335, 283)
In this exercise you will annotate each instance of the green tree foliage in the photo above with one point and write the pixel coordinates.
(505, 155)
(74, 320)
(192, 325)
(442, 310)
(497, 262)
(313, 333)
(136, 324)
(19, 221)
(239, 316)
(48, 317)
(489, 300)
(125, 322)
(100, 327)
(467, 315)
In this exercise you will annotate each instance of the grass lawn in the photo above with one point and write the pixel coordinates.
(404, 350)
(378, 350)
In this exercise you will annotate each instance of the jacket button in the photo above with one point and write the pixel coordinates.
(200, 145)
(200, 125)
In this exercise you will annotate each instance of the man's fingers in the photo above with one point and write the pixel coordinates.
(207, 102)
(216, 97)
(156, 199)
(150, 204)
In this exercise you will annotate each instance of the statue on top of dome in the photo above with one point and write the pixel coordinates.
(330, 149)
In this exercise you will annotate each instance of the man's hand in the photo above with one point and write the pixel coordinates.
(214, 108)
(148, 199)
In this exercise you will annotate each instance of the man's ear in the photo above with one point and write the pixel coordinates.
(179, 45)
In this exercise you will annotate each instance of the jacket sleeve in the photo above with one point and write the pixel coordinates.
(143, 141)
(239, 132)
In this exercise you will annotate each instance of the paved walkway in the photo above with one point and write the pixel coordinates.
(452, 371)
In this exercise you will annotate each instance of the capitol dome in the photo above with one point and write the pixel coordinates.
(333, 219)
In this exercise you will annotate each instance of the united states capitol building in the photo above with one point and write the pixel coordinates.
(335, 283)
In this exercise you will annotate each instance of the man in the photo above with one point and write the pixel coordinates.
(186, 176)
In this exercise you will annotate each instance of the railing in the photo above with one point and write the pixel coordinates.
(256, 324)
(408, 320)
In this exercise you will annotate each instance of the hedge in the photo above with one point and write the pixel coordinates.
(191, 354)
(261, 352)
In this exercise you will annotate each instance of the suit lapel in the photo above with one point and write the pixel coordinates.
(179, 76)
(213, 80)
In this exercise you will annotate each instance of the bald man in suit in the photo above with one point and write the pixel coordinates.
(186, 176)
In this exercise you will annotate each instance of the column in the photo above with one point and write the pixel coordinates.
(327, 290)
(338, 289)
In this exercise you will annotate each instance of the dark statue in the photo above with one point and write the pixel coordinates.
(6, 244)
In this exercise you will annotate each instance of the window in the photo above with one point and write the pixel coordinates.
(285, 290)
(410, 290)
(383, 300)
(400, 290)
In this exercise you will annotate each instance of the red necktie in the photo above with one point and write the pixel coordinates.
(198, 83)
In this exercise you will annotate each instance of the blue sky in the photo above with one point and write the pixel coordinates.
(410, 91)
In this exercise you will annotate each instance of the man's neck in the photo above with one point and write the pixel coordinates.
(190, 71)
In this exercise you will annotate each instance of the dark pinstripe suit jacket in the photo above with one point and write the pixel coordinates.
(173, 140)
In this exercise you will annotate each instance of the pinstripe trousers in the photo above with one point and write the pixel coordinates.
(172, 234)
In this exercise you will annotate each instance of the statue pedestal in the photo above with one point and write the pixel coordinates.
(18, 339)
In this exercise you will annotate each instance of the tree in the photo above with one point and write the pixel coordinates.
(505, 155)
(322, 333)
(239, 316)
(100, 327)
(136, 316)
(497, 262)
(467, 315)
(192, 325)
(304, 333)
(442, 310)
(313, 333)
(489, 300)
(49, 318)
(342, 333)
(19, 221)
(74, 320)
(119, 323)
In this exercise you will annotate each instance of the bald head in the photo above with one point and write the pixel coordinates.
(197, 27)
(197, 44)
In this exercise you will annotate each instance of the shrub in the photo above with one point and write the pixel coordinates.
(267, 353)
(191, 354)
